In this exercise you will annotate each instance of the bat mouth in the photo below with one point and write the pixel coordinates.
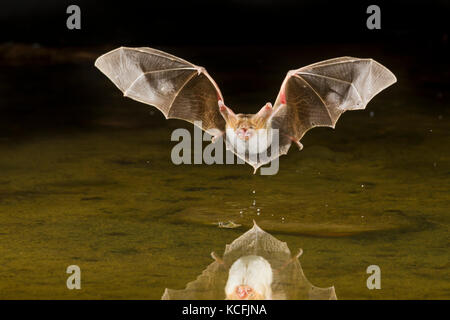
(244, 134)
(244, 292)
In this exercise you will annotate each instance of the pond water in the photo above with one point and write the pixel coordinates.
(106, 197)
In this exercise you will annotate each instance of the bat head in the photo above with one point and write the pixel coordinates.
(249, 278)
(245, 126)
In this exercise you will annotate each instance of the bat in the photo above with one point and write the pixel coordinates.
(312, 96)
(254, 266)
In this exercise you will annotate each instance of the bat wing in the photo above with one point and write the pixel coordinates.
(317, 95)
(179, 89)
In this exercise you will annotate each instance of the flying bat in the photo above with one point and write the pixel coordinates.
(312, 96)
(255, 266)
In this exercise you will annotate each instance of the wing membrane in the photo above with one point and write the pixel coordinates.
(179, 89)
(317, 95)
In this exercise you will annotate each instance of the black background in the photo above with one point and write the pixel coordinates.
(247, 46)
(418, 23)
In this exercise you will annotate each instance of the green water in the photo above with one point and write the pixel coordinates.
(374, 191)
(111, 202)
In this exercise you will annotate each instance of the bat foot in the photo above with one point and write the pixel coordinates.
(297, 143)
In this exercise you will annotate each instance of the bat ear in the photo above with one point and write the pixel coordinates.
(226, 112)
(265, 111)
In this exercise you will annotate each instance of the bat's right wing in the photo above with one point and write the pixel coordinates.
(316, 95)
(179, 89)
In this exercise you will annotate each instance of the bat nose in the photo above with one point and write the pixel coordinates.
(243, 291)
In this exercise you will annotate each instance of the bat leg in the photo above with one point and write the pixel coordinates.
(293, 259)
(299, 253)
(299, 145)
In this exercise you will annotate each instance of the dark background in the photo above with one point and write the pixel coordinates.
(224, 22)
(48, 81)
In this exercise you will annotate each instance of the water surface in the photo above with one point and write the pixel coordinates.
(106, 197)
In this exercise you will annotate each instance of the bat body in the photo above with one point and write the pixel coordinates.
(315, 95)
(250, 278)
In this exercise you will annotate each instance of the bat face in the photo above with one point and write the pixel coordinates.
(245, 126)
(248, 132)
(245, 292)
(250, 278)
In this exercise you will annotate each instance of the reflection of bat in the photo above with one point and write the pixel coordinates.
(254, 266)
(315, 95)
(249, 278)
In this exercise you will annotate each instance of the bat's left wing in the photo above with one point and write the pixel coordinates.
(317, 95)
(178, 88)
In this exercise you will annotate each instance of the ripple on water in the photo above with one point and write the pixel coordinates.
(389, 220)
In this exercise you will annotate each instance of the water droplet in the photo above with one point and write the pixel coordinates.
(254, 191)
(362, 186)
(254, 202)
(371, 114)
